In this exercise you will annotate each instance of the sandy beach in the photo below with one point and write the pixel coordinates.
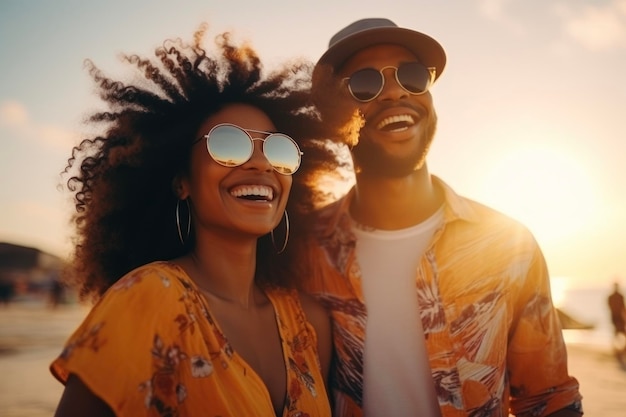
(602, 380)
(32, 334)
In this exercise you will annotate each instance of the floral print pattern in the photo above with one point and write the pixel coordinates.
(494, 340)
(151, 347)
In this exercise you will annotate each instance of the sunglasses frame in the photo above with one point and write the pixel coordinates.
(432, 71)
(252, 139)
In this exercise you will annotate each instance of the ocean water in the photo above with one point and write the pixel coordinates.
(588, 305)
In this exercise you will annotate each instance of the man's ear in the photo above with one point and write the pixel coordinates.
(180, 187)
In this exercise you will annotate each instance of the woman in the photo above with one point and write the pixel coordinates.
(180, 225)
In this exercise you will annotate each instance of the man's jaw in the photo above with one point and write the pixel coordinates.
(394, 126)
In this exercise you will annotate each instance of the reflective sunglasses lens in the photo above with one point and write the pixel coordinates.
(414, 77)
(229, 145)
(282, 152)
(365, 84)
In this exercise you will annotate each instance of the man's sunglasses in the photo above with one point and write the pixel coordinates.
(231, 146)
(367, 83)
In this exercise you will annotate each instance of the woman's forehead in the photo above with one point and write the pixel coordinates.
(243, 115)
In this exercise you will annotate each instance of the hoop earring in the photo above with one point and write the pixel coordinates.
(180, 234)
(282, 249)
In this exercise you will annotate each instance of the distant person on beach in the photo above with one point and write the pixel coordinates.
(181, 223)
(57, 291)
(7, 290)
(618, 310)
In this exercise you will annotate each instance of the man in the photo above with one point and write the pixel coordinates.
(441, 305)
(618, 310)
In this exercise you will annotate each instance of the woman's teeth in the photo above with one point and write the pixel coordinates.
(253, 192)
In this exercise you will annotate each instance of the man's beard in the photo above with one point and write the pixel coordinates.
(371, 159)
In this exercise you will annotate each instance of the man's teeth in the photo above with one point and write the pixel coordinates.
(262, 191)
(405, 119)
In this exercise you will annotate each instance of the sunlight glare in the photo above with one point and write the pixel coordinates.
(546, 189)
(558, 287)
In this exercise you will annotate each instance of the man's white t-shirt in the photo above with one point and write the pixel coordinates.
(397, 374)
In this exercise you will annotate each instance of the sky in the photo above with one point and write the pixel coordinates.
(531, 104)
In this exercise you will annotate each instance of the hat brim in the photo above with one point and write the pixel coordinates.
(427, 50)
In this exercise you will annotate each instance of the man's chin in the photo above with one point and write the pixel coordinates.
(372, 161)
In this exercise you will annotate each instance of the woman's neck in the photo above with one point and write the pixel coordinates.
(225, 273)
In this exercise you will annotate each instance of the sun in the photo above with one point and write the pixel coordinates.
(545, 188)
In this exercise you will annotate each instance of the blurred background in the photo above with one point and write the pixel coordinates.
(530, 106)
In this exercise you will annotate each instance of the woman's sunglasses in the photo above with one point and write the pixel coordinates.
(231, 146)
(367, 83)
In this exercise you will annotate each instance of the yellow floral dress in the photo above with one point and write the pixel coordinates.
(150, 347)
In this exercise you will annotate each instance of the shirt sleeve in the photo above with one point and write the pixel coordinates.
(115, 348)
(537, 357)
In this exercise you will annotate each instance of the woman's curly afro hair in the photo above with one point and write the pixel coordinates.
(121, 180)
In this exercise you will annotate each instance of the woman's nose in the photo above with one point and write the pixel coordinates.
(258, 160)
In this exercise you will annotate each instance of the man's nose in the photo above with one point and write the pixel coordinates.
(392, 90)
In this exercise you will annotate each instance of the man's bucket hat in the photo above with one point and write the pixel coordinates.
(374, 31)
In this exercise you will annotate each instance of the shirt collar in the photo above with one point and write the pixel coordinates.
(337, 214)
